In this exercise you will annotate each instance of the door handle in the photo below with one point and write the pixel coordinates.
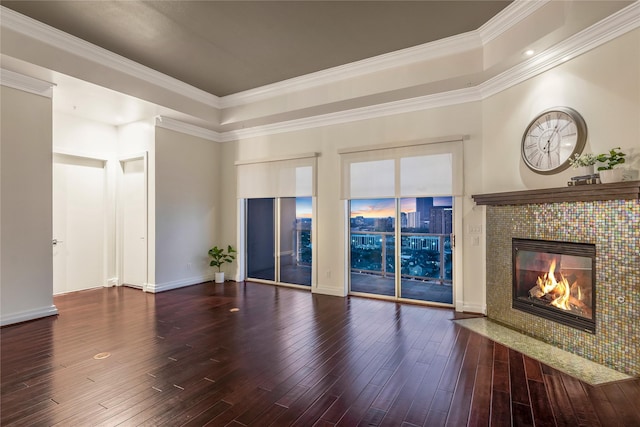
(56, 241)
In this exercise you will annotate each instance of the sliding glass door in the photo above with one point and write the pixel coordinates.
(420, 268)
(279, 246)
(261, 240)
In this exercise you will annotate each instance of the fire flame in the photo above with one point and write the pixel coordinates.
(559, 290)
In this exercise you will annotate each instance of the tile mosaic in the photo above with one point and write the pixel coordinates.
(614, 227)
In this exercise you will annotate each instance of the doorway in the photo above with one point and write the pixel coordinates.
(79, 223)
(402, 248)
(279, 240)
(133, 231)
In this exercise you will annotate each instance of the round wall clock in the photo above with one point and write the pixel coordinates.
(552, 138)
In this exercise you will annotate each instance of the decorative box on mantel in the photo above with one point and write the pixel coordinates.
(605, 217)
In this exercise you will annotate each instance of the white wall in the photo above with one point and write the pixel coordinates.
(26, 272)
(331, 220)
(187, 208)
(603, 85)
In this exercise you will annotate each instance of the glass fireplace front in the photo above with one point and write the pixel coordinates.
(555, 280)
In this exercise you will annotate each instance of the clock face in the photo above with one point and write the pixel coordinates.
(551, 138)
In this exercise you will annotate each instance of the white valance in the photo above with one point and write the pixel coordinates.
(277, 177)
(415, 169)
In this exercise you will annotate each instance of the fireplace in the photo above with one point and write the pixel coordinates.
(555, 280)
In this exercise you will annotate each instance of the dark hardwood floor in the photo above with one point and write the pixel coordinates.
(285, 358)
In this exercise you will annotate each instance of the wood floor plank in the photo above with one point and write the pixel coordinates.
(560, 402)
(287, 357)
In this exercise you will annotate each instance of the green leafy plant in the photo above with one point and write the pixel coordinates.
(613, 158)
(586, 159)
(220, 256)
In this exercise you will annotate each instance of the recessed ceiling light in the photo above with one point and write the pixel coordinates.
(529, 52)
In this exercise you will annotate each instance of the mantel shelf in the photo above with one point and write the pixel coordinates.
(626, 190)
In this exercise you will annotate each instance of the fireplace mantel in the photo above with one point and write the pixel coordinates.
(626, 190)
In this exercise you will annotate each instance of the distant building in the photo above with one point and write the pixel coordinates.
(440, 221)
(423, 210)
(413, 220)
(428, 243)
(361, 241)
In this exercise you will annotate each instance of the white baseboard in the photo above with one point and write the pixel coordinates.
(112, 282)
(23, 316)
(175, 284)
(473, 308)
(336, 292)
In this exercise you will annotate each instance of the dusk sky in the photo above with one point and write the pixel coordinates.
(303, 207)
(370, 208)
(382, 208)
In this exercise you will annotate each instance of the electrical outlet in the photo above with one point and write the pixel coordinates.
(475, 229)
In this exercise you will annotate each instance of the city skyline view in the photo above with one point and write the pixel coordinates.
(384, 208)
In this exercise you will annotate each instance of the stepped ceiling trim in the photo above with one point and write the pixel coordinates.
(617, 24)
(25, 83)
(454, 97)
(189, 129)
(449, 46)
(625, 20)
(35, 29)
(503, 21)
(508, 18)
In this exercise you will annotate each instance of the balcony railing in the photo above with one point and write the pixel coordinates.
(423, 256)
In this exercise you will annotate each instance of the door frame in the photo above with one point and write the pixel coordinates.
(120, 217)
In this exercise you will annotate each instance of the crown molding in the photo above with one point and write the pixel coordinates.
(25, 83)
(449, 46)
(189, 129)
(615, 25)
(29, 27)
(601, 32)
(444, 99)
(507, 18)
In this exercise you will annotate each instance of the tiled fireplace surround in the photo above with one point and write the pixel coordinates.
(569, 215)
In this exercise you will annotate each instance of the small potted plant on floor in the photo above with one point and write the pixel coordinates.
(608, 171)
(219, 257)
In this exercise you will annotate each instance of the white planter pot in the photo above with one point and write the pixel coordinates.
(585, 170)
(611, 175)
(220, 277)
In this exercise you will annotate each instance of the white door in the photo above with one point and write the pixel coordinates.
(78, 223)
(134, 224)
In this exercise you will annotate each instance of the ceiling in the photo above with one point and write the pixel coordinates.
(233, 46)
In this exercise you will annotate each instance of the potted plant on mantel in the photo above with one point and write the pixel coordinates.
(583, 163)
(608, 172)
(219, 257)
